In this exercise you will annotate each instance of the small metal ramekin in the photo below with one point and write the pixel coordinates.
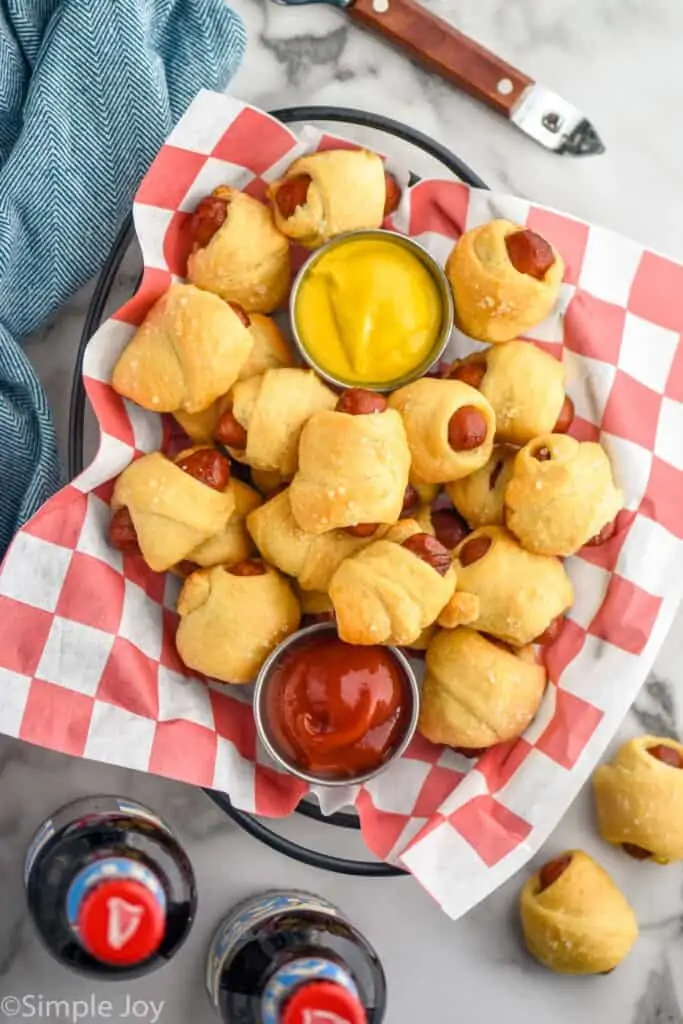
(445, 295)
(261, 716)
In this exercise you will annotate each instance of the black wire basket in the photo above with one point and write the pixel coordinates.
(95, 316)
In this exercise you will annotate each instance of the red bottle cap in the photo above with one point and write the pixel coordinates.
(323, 1002)
(120, 921)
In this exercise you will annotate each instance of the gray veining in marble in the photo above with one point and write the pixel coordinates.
(619, 61)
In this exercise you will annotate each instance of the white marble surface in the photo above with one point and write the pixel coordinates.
(619, 60)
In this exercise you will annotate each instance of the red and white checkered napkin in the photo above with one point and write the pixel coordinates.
(88, 663)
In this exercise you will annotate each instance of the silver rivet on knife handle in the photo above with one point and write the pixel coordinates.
(555, 123)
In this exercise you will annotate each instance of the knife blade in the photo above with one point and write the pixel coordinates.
(436, 44)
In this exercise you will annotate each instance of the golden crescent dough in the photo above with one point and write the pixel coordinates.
(555, 506)
(426, 407)
(493, 301)
(347, 192)
(480, 503)
(477, 693)
(232, 543)
(171, 511)
(510, 593)
(270, 352)
(186, 353)
(247, 261)
(581, 923)
(273, 409)
(639, 799)
(230, 624)
(311, 559)
(352, 469)
(385, 594)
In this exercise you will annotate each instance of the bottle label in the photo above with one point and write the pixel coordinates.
(240, 925)
(86, 811)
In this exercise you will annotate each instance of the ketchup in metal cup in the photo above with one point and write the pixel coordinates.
(335, 710)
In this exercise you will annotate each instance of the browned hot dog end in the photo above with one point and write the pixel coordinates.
(360, 402)
(230, 432)
(292, 193)
(361, 529)
(122, 533)
(208, 466)
(208, 217)
(248, 567)
(467, 429)
(552, 632)
(564, 420)
(449, 527)
(411, 502)
(393, 194)
(530, 253)
(473, 550)
(551, 871)
(430, 550)
(241, 313)
(667, 755)
(468, 373)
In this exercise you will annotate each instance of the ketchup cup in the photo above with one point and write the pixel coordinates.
(331, 713)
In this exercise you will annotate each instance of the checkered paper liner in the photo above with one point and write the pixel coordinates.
(88, 663)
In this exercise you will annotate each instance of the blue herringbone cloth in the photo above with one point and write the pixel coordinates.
(88, 91)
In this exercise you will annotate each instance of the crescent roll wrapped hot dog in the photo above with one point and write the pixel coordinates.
(525, 387)
(311, 559)
(503, 590)
(480, 497)
(270, 352)
(574, 919)
(232, 618)
(268, 413)
(476, 692)
(505, 279)
(390, 592)
(353, 466)
(167, 509)
(237, 252)
(639, 799)
(326, 193)
(188, 350)
(561, 495)
(450, 428)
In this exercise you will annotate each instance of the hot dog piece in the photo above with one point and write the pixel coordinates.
(449, 527)
(318, 617)
(467, 429)
(469, 373)
(543, 454)
(637, 852)
(529, 253)
(292, 193)
(667, 755)
(241, 313)
(361, 529)
(552, 632)
(230, 432)
(393, 194)
(564, 420)
(208, 217)
(470, 751)
(430, 550)
(551, 871)
(360, 402)
(208, 466)
(411, 501)
(474, 550)
(122, 533)
(248, 567)
(495, 473)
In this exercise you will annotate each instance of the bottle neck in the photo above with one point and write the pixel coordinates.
(116, 908)
(307, 973)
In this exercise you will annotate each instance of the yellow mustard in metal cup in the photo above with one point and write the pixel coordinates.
(368, 310)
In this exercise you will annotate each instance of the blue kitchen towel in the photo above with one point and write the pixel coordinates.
(89, 89)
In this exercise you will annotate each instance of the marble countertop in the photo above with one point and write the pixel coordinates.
(618, 60)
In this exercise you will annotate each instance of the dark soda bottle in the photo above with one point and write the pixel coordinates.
(110, 890)
(292, 958)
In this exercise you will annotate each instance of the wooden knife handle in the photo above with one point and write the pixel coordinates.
(431, 41)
